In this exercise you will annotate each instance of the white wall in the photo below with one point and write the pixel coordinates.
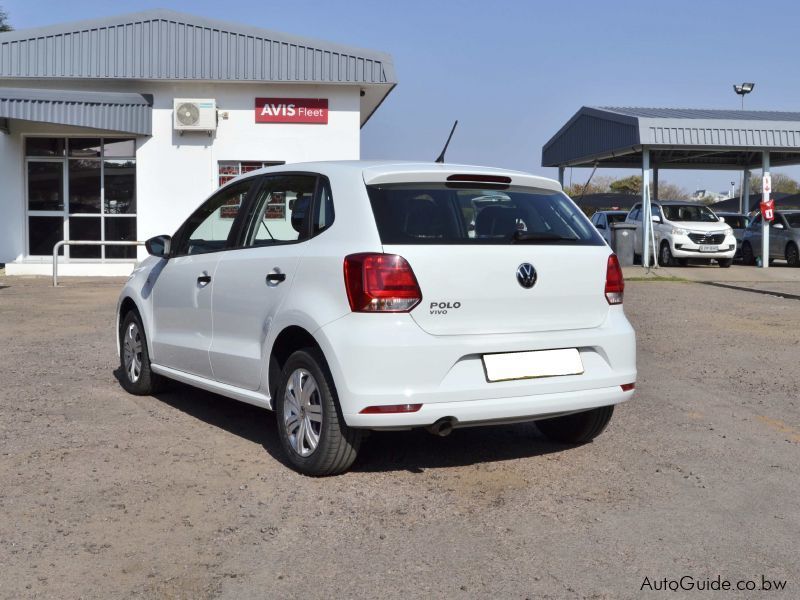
(176, 173)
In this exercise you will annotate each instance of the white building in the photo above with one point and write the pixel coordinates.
(92, 148)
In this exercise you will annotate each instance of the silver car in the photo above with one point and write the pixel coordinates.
(738, 222)
(784, 238)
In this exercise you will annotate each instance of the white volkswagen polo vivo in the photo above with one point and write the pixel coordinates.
(349, 296)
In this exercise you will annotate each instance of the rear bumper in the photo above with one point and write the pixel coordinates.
(379, 360)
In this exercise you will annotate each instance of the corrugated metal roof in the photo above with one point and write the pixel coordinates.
(166, 45)
(677, 138)
(703, 113)
(128, 113)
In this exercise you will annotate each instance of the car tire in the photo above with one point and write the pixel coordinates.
(665, 258)
(136, 374)
(792, 255)
(314, 436)
(683, 262)
(748, 257)
(637, 259)
(577, 428)
(725, 263)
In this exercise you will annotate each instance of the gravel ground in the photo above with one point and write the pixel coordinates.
(106, 495)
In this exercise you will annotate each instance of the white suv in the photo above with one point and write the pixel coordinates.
(685, 230)
(351, 295)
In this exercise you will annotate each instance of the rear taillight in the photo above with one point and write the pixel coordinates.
(615, 285)
(380, 283)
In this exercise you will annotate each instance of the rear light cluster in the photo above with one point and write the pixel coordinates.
(391, 409)
(615, 284)
(380, 283)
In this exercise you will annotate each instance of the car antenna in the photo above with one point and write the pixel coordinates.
(447, 143)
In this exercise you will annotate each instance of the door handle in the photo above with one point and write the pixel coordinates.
(204, 279)
(275, 277)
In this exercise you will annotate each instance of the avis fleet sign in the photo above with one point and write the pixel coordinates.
(292, 110)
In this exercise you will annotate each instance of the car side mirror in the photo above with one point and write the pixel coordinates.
(778, 225)
(159, 245)
(721, 219)
(656, 219)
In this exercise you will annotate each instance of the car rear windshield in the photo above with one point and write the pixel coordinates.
(617, 217)
(439, 213)
(680, 212)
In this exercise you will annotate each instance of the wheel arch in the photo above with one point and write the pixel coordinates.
(127, 304)
(289, 340)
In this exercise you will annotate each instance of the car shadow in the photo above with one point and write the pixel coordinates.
(381, 451)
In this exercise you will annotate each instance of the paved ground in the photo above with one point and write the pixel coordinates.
(105, 495)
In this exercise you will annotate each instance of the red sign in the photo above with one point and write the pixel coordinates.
(768, 210)
(292, 110)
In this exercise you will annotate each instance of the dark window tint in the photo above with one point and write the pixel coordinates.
(85, 147)
(35, 146)
(84, 186)
(120, 229)
(45, 185)
(691, 213)
(323, 210)
(119, 186)
(616, 218)
(84, 228)
(282, 211)
(793, 219)
(434, 213)
(43, 234)
(635, 214)
(207, 230)
(736, 222)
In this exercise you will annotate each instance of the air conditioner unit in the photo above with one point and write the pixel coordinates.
(191, 114)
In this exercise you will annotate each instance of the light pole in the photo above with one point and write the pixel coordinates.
(742, 89)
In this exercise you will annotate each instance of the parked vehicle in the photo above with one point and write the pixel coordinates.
(350, 296)
(686, 230)
(738, 222)
(603, 220)
(784, 238)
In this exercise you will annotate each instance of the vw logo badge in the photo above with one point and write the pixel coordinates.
(526, 275)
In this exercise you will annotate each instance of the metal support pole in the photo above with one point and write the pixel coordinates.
(655, 183)
(764, 222)
(58, 246)
(744, 201)
(561, 176)
(647, 218)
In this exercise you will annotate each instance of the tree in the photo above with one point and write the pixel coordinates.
(781, 183)
(598, 185)
(628, 185)
(670, 191)
(4, 26)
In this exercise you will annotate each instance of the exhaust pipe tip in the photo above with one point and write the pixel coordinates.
(441, 428)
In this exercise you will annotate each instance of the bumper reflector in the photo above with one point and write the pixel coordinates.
(627, 387)
(391, 408)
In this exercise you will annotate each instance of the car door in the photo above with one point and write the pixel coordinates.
(253, 281)
(778, 230)
(182, 293)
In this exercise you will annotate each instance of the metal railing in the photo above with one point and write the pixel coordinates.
(58, 246)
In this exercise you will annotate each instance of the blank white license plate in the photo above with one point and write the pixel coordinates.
(526, 365)
(709, 248)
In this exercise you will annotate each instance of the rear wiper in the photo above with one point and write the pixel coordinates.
(523, 237)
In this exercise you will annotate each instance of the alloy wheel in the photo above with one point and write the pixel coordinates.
(132, 352)
(302, 412)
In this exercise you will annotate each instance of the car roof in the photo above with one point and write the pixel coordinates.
(613, 212)
(375, 172)
(678, 203)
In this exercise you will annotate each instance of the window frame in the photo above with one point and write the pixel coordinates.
(64, 213)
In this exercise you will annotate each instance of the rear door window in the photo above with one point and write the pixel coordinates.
(439, 213)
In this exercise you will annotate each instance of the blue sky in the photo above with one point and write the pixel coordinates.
(513, 72)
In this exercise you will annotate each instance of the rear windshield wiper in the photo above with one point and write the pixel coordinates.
(521, 237)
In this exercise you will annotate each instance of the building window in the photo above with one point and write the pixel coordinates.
(81, 189)
(228, 169)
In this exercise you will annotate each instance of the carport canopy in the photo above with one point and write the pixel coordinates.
(674, 138)
(111, 111)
